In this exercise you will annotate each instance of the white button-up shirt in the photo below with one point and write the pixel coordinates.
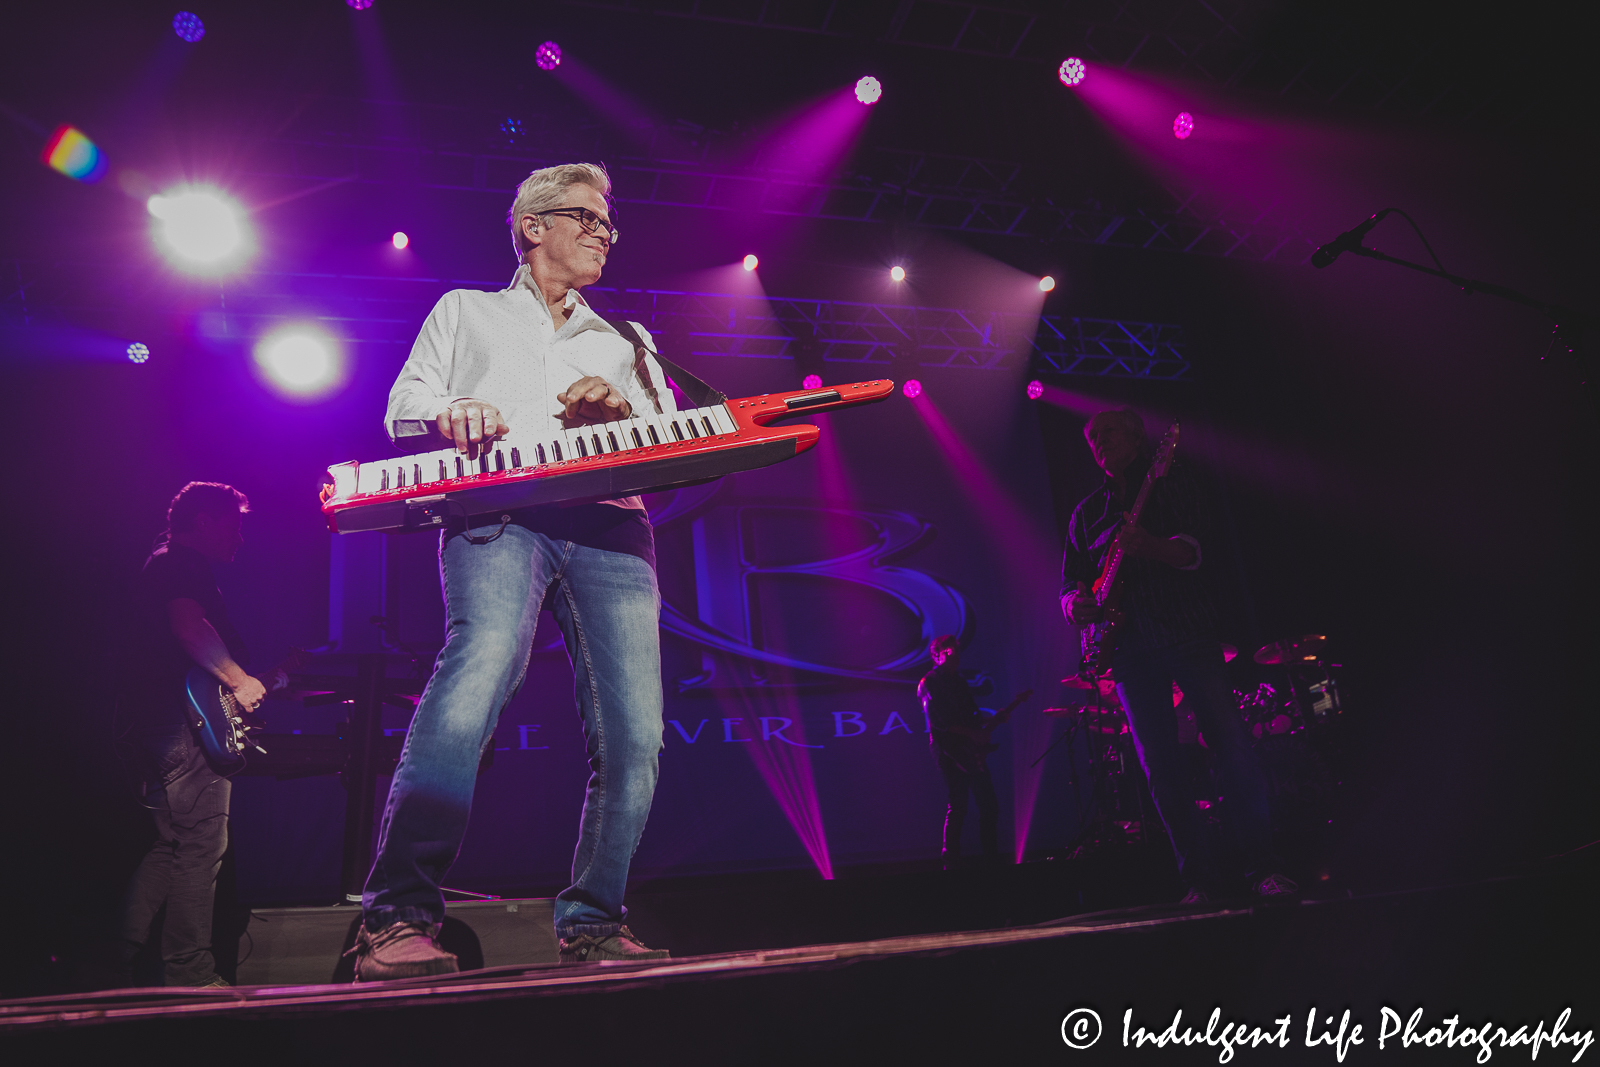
(504, 348)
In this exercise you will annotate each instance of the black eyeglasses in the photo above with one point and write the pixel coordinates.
(590, 222)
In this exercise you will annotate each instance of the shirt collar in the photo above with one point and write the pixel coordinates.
(524, 279)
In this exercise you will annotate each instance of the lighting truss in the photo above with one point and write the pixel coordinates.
(1318, 52)
(388, 311)
(939, 191)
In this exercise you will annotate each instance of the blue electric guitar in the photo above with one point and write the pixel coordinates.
(224, 733)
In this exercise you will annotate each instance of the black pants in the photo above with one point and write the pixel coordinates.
(189, 802)
(958, 783)
(1144, 682)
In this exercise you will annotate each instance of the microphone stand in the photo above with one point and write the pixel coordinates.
(1569, 325)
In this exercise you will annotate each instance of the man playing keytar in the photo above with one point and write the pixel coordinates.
(531, 356)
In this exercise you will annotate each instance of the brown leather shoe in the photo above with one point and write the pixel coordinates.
(401, 950)
(621, 945)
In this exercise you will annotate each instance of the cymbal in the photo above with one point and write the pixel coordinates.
(1229, 653)
(1110, 722)
(1303, 649)
(1079, 682)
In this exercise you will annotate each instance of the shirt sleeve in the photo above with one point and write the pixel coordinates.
(423, 385)
(1076, 566)
(176, 576)
(1186, 512)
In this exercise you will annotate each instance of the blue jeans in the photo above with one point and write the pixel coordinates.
(1144, 682)
(609, 608)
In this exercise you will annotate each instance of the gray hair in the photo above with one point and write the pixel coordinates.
(543, 190)
(1130, 419)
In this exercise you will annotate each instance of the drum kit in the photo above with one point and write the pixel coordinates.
(1291, 718)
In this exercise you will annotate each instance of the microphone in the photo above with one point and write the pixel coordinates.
(1346, 241)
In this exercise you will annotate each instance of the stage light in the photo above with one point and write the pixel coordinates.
(187, 25)
(199, 227)
(751, 262)
(912, 388)
(74, 155)
(1035, 389)
(400, 240)
(1072, 71)
(1046, 284)
(868, 89)
(811, 381)
(138, 353)
(299, 362)
(359, 5)
(547, 56)
(898, 273)
(1183, 125)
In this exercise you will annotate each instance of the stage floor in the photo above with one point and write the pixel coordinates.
(1511, 951)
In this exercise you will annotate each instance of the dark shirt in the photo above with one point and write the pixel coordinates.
(150, 691)
(603, 526)
(948, 701)
(1163, 605)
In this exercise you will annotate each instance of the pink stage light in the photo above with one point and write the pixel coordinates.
(400, 240)
(811, 381)
(898, 273)
(358, 5)
(912, 388)
(1183, 125)
(868, 89)
(751, 262)
(1046, 284)
(1072, 71)
(1035, 389)
(547, 56)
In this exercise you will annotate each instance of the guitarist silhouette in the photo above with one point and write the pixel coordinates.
(959, 734)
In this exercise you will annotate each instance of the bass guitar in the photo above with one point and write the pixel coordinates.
(1100, 642)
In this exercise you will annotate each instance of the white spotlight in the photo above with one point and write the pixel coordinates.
(751, 262)
(898, 273)
(200, 228)
(1046, 284)
(300, 362)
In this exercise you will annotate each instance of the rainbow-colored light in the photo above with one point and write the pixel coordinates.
(74, 155)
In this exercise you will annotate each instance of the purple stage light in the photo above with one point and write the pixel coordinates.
(359, 5)
(547, 56)
(1046, 284)
(1072, 71)
(751, 262)
(138, 353)
(188, 27)
(811, 381)
(898, 273)
(912, 388)
(299, 362)
(1183, 125)
(1035, 389)
(400, 240)
(868, 89)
